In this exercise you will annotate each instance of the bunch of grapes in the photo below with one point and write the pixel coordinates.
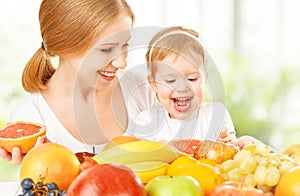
(259, 168)
(30, 188)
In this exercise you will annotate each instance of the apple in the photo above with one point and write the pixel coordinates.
(215, 150)
(107, 179)
(237, 189)
(177, 185)
(186, 146)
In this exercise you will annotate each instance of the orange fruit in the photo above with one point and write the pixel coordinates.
(207, 176)
(22, 134)
(208, 161)
(50, 162)
(120, 140)
(289, 183)
(180, 162)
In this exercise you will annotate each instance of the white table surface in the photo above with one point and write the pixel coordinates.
(10, 188)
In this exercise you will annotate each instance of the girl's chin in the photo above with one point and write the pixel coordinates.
(180, 115)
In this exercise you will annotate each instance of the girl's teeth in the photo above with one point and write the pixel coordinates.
(182, 98)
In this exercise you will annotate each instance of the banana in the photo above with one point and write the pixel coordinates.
(138, 151)
(148, 170)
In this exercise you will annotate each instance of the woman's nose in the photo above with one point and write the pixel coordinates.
(120, 61)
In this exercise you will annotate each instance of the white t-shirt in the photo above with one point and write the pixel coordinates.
(205, 123)
(34, 108)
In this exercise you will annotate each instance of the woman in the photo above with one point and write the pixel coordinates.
(83, 102)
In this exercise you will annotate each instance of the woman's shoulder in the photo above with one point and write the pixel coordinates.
(26, 109)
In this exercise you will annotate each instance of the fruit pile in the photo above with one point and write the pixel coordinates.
(133, 166)
(30, 188)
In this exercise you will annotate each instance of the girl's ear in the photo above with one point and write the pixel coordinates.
(152, 83)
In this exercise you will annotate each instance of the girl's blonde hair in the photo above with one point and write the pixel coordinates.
(68, 27)
(175, 41)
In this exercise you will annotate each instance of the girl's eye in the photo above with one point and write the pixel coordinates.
(193, 79)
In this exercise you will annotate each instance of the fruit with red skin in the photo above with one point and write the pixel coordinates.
(187, 146)
(231, 188)
(215, 150)
(87, 163)
(107, 179)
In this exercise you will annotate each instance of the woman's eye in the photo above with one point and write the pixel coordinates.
(125, 45)
(169, 81)
(106, 50)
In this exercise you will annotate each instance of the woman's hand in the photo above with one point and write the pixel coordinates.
(16, 156)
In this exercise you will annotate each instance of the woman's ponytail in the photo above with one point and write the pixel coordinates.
(37, 71)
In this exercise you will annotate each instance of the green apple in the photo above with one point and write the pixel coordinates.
(173, 186)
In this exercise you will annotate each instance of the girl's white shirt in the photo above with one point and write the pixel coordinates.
(205, 123)
(34, 108)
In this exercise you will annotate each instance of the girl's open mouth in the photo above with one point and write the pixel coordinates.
(182, 104)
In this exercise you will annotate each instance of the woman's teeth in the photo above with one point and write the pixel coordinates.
(107, 74)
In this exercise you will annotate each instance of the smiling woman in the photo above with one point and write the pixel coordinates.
(83, 102)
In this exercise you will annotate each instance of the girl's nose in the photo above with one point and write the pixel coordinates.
(182, 85)
(120, 61)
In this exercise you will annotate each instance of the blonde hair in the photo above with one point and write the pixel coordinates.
(68, 27)
(175, 41)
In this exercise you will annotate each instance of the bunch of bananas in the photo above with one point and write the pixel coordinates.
(146, 158)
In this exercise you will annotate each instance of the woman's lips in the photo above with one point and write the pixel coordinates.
(107, 75)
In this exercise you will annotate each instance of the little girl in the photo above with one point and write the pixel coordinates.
(178, 73)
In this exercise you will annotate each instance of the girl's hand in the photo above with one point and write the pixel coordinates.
(247, 140)
(227, 137)
(16, 156)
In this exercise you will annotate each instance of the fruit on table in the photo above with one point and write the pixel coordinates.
(187, 146)
(177, 185)
(22, 134)
(120, 140)
(147, 170)
(289, 183)
(207, 176)
(179, 162)
(138, 151)
(215, 150)
(107, 179)
(231, 188)
(52, 163)
(258, 167)
(40, 188)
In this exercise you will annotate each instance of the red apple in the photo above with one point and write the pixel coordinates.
(107, 179)
(231, 188)
(187, 146)
(177, 185)
(215, 150)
